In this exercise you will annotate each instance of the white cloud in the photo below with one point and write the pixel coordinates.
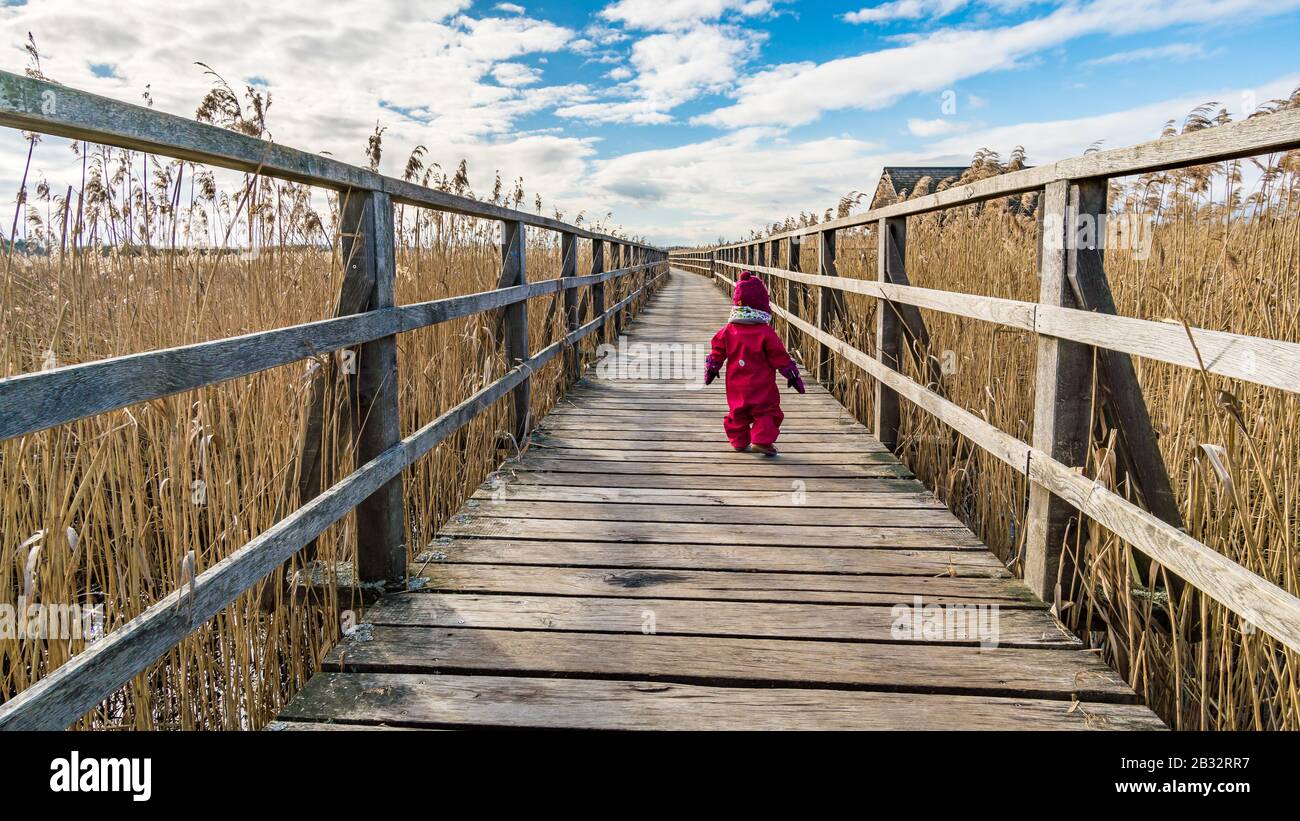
(1173, 51)
(516, 74)
(658, 15)
(797, 93)
(510, 8)
(933, 128)
(672, 68)
(904, 10)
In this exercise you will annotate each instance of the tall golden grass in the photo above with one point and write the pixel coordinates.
(144, 253)
(1225, 255)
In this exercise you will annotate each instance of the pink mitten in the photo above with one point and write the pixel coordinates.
(793, 379)
(711, 369)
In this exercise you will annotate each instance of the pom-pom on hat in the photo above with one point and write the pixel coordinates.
(751, 292)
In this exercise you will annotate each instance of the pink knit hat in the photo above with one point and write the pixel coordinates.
(752, 293)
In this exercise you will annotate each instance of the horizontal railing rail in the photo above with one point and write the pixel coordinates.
(1249, 358)
(1076, 323)
(44, 399)
(367, 317)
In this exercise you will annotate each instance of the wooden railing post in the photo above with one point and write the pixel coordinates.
(826, 301)
(761, 254)
(891, 249)
(514, 240)
(367, 238)
(792, 290)
(568, 270)
(598, 290)
(1062, 384)
(620, 286)
(713, 266)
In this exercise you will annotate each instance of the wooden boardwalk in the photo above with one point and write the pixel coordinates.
(631, 571)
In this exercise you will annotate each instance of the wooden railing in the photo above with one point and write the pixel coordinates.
(1074, 319)
(367, 316)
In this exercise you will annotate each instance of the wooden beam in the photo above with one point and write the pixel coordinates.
(1123, 402)
(891, 249)
(827, 303)
(598, 290)
(792, 290)
(367, 234)
(514, 243)
(1063, 402)
(1252, 359)
(617, 251)
(569, 270)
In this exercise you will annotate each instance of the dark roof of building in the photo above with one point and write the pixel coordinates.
(906, 178)
(897, 181)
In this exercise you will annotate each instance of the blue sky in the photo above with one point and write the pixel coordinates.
(688, 119)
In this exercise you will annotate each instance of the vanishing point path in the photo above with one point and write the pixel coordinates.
(632, 571)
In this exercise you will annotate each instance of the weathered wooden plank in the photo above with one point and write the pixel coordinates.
(891, 242)
(1122, 399)
(452, 701)
(487, 507)
(367, 230)
(789, 467)
(1009, 312)
(958, 563)
(866, 536)
(515, 340)
(829, 303)
(1253, 359)
(725, 586)
(1063, 387)
(598, 289)
(733, 458)
(683, 617)
(329, 726)
(572, 315)
(710, 399)
(712, 497)
(926, 668)
(37, 401)
(804, 484)
(619, 437)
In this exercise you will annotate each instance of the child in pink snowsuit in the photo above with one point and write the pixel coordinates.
(753, 353)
